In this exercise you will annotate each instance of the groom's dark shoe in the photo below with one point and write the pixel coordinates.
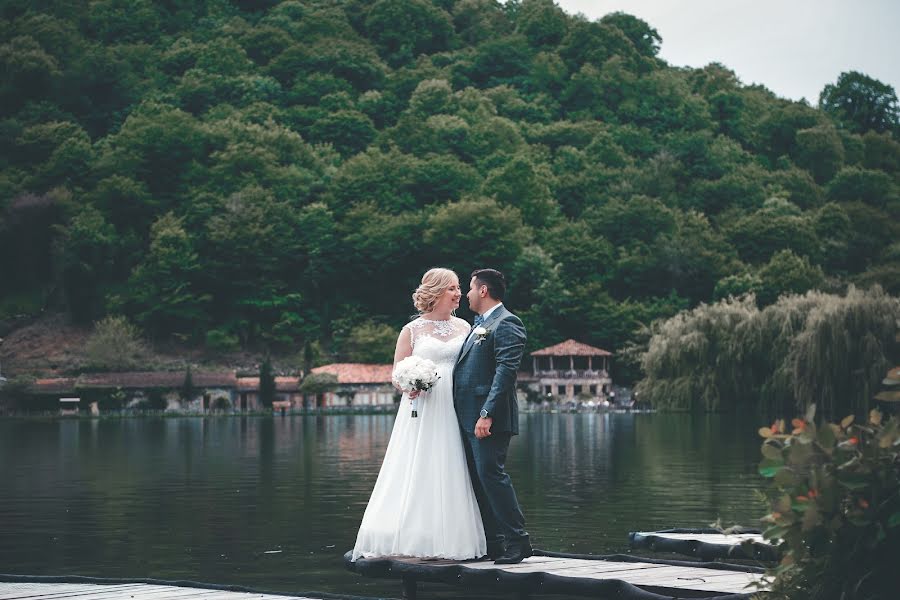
(495, 550)
(516, 552)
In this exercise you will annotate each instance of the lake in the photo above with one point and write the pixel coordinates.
(274, 502)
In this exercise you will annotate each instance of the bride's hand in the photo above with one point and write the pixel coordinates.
(414, 394)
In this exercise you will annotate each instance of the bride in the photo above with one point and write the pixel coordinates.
(423, 504)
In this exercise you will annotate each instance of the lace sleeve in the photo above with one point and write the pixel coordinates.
(415, 330)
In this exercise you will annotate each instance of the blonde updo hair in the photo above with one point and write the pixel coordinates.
(434, 283)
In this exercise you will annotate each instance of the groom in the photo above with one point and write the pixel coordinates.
(484, 394)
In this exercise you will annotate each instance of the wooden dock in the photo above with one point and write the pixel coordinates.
(706, 544)
(619, 576)
(130, 591)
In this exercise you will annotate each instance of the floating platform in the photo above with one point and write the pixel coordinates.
(622, 577)
(707, 544)
(49, 587)
(131, 591)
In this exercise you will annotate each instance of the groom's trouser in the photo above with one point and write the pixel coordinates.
(500, 512)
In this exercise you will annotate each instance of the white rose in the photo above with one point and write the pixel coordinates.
(479, 330)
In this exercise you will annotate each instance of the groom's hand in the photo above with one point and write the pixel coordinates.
(483, 427)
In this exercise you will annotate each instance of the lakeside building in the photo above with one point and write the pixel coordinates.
(566, 371)
(571, 369)
(359, 384)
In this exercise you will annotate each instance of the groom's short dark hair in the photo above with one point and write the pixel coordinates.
(494, 280)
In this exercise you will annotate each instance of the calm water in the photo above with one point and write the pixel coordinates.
(205, 499)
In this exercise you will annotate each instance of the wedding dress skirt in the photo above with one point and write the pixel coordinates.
(423, 504)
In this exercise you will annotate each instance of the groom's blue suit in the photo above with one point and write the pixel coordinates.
(485, 378)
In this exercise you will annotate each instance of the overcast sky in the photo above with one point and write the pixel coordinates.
(793, 47)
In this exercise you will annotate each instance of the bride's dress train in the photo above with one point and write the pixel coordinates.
(423, 504)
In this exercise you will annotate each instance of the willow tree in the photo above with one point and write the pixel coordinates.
(844, 350)
(690, 360)
(827, 349)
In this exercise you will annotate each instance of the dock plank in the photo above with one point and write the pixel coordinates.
(48, 591)
(577, 574)
(137, 591)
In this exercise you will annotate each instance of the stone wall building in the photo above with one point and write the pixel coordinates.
(359, 384)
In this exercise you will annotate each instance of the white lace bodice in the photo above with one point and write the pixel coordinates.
(438, 341)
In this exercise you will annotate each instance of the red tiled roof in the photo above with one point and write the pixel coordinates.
(358, 372)
(571, 348)
(55, 385)
(282, 384)
(138, 379)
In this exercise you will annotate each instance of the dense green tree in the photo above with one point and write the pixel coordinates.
(403, 29)
(162, 290)
(861, 103)
(832, 226)
(349, 131)
(478, 20)
(155, 139)
(371, 343)
(787, 273)
(759, 235)
(29, 70)
(819, 150)
(542, 22)
(87, 249)
(881, 151)
(123, 20)
(499, 61)
(643, 37)
(28, 232)
(476, 231)
(776, 133)
(526, 186)
(638, 219)
(865, 185)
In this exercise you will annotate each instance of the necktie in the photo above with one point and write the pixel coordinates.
(478, 320)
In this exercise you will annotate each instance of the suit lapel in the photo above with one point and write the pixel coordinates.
(470, 341)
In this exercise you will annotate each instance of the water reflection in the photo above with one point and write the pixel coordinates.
(205, 499)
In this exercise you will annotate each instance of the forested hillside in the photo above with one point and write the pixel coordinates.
(265, 174)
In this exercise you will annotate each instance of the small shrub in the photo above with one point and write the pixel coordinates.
(220, 340)
(318, 383)
(834, 497)
(221, 403)
(115, 345)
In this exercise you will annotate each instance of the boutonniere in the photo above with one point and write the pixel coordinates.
(480, 334)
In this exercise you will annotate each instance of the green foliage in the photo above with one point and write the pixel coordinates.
(787, 273)
(115, 345)
(861, 103)
(188, 391)
(819, 151)
(834, 500)
(161, 289)
(318, 383)
(854, 184)
(815, 348)
(403, 29)
(220, 340)
(371, 343)
(260, 175)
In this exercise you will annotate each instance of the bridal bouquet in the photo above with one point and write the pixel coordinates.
(415, 373)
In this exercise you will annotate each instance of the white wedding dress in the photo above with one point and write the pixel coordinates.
(423, 504)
